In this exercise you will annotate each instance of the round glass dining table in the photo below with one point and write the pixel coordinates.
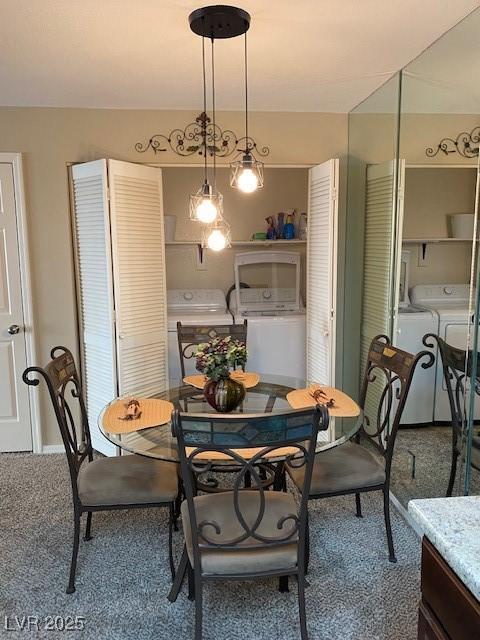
(268, 396)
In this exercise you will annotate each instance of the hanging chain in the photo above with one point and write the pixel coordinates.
(205, 168)
(214, 145)
(246, 92)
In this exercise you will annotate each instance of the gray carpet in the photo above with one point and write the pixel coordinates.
(123, 576)
(432, 447)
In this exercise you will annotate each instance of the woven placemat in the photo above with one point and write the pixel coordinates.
(154, 413)
(343, 405)
(248, 379)
(246, 454)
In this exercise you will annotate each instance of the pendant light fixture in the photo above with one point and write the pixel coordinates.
(214, 22)
(207, 204)
(217, 236)
(246, 174)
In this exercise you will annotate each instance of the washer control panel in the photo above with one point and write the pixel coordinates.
(196, 300)
(433, 294)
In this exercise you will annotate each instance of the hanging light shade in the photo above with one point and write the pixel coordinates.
(217, 236)
(246, 173)
(206, 205)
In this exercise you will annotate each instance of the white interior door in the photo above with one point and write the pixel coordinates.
(322, 272)
(15, 421)
(95, 292)
(138, 252)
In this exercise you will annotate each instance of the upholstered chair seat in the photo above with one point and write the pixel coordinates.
(342, 468)
(219, 508)
(127, 480)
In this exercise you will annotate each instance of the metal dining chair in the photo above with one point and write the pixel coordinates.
(243, 534)
(352, 468)
(190, 337)
(103, 484)
(457, 373)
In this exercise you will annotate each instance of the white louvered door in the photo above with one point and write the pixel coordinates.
(138, 251)
(95, 292)
(382, 251)
(322, 272)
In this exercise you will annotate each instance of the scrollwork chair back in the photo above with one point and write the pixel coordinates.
(388, 376)
(189, 337)
(62, 381)
(457, 370)
(234, 437)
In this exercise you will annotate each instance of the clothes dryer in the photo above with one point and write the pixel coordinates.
(276, 340)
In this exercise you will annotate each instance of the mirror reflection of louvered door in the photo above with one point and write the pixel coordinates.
(382, 251)
(120, 269)
(322, 272)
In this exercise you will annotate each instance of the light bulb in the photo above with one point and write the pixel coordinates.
(247, 181)
(216, 240)
(206, 211)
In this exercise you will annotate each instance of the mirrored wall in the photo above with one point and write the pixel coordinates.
(411, 268)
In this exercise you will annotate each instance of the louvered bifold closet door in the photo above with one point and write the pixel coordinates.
(377, 311)
(321, 272)
(138, 249)
(94, 292)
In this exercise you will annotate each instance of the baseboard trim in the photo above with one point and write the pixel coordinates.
(53, 448)
(405, 514)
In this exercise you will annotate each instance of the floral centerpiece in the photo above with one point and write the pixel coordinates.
(215, 359)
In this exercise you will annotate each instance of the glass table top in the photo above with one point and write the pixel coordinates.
(268, 396)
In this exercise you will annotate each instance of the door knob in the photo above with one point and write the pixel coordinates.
(13, 329)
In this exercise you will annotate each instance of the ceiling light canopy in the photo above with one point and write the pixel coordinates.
(219, 22)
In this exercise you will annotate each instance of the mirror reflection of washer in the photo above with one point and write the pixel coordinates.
(451, 303)
(272, 304)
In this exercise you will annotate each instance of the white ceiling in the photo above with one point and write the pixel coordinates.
(443, 79)
(305, 55)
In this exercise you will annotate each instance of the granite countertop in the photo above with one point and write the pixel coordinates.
(453, 526)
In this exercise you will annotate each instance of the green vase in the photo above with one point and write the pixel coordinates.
(224, 395)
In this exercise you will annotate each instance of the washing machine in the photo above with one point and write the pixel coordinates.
(276, 339)
(451, 303)
(412, 324)
(191, 307)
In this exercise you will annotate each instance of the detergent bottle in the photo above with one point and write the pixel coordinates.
(289, 228)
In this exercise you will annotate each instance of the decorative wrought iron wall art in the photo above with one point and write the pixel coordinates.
(466, 144)
(201, 134)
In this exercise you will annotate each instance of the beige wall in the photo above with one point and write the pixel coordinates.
(52, 138)
(430, 196)
(284, 189)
